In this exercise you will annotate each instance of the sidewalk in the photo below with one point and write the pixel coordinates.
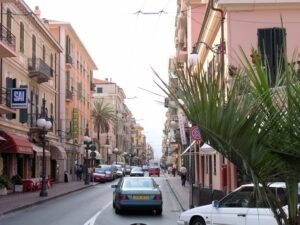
(181, 193)
(16, 201)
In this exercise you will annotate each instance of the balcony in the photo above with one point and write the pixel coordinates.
(69, 95)
(32, 122)
(69, 61)
(7, 43)
(39, 70)
(5, 101)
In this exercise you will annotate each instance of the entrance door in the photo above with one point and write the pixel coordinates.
(53, 168)
(20, 165)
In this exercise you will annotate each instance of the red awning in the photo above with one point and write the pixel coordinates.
(15, 144)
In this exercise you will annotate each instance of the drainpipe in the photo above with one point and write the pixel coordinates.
(222, 39)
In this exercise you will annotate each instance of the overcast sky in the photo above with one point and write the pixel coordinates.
(125, 38)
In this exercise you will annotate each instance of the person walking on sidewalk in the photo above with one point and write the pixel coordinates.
(183, 172)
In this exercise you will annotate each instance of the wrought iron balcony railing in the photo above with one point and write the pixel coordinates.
(39, 69)
(7, 37)
(32, 121)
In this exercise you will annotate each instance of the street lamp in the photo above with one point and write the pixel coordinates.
(87, 141)
(116, 151)
(107, 146)
(44, 126)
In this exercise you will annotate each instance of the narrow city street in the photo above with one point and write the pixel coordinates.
(93, 206)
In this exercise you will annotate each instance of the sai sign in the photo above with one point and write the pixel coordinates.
(18, 98)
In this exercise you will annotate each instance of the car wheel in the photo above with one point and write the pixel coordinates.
(158, 211)
(197, 221)
(117, 210)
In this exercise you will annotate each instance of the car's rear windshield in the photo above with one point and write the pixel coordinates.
(138, 183)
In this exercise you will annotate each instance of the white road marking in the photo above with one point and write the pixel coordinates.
(93, 219)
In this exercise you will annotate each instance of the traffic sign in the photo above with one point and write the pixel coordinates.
(93, 148)
(195, 133)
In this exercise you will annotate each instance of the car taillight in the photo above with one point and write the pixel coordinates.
(123, 197)
(157, 197)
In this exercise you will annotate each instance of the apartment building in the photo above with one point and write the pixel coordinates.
(74, 100)
(29, 71)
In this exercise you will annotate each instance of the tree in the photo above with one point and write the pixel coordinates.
(103, 114)
(256, 127)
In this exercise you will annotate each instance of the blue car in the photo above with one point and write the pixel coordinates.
(137, 193)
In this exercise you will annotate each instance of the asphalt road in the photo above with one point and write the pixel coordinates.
(93, 206)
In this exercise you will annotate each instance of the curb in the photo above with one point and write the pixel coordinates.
(44, 200)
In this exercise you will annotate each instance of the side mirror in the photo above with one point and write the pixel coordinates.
(114, 185)
(215, 204)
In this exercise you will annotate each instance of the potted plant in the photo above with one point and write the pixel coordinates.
(17, 182)
(4, 183)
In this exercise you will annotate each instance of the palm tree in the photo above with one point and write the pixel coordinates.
(256, 127)
(103, 114)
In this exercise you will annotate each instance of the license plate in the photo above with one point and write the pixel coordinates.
(140, 197)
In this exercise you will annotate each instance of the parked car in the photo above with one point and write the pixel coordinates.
(137, 193)
(154, 170)
(127, 169)
(99, 175)
(241, 206)
(110, 172)
(137, 171)
(145, 168)
(119, 172)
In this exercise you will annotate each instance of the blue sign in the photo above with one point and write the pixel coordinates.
(18, 98)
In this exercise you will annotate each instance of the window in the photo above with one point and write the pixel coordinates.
(9, 25)
(21, 37)
(215, 165)
(242, 198)
(79, 91)
(44, 53)
(33, 48)
(99, 90)
(51, 63)
(272, 48)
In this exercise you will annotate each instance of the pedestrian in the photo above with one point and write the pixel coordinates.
(77, 171)
(80, 171)
(174, 171)
(169, 169)
(183, 172)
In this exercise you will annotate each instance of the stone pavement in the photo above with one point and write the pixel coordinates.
(181, 193)
(16, 201)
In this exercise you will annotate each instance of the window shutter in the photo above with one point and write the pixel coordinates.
(10, 83)
(272, 48)
(23, 112)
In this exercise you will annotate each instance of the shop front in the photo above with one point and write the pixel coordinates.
(16, 155)
(57, 161)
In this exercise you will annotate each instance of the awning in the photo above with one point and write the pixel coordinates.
(15, 144)
(39, 150)
(57, 151)
(207, 149)
(188, 148)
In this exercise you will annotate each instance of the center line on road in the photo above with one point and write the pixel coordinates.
(93, 219)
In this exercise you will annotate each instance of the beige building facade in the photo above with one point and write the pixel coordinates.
(32, 66)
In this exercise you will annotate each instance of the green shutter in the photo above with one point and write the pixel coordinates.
(10, 83)
(23, 112)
